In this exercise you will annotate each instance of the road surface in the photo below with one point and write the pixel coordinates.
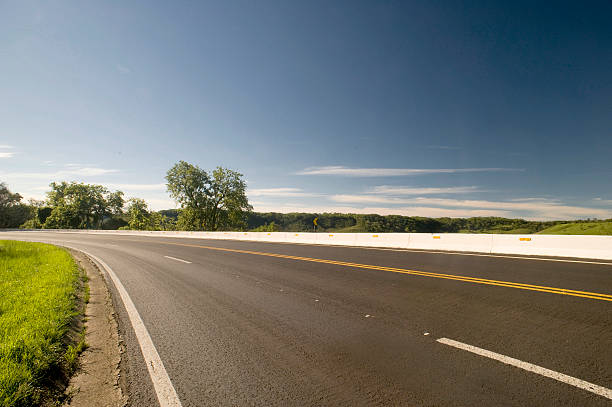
(248, 323)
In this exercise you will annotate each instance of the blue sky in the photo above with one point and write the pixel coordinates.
(427, 108)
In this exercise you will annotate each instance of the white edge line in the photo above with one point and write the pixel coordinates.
(166, 394)
(181, 260)
(572, 381)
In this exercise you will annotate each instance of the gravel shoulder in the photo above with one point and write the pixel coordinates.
(96, 384)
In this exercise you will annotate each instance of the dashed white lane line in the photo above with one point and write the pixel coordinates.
(166, 394)
(572, 381)
(181, 260)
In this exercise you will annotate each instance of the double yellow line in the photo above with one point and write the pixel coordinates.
(531, 287)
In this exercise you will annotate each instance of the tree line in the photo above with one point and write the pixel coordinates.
(209, 200)
(215, 200)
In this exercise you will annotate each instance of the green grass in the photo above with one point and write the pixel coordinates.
(582, 228)
(39, 287)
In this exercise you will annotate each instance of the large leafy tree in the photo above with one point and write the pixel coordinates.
(189, 186)
(209, 201)
(81, 206)
(13, 213)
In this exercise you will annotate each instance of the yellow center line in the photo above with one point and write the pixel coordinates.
(477, 280)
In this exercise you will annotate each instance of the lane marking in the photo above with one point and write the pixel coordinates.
(174, 258)
(448, 252)
(166, 394)
(476, 280)
(572, 381)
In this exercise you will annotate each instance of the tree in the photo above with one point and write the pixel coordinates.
(208, 201)
(138, 214)
(13, 213)
(81, 206)
(229, 202)
(189, 185)
(115, 203)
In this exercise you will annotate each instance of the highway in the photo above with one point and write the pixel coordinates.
(248, 323)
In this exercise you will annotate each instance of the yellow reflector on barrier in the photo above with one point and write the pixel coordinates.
(525, 239)
(436, 237)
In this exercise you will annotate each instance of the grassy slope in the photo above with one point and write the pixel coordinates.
(38, 297)
(586, 228)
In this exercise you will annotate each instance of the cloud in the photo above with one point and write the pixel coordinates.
(533, 208)
(393, 172)
(347, 198)
(157, 204)
(392, 190)
(280, 192)
(5, 146)
(434, 147)
(123, 69)
(6, 154)
(136, 187)
(69, 172)
(601, 201)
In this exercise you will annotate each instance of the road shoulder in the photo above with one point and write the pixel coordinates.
(97, 381)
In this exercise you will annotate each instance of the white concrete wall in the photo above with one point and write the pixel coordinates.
(594, 247)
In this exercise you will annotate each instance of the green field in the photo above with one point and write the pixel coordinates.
(39, 287)
(582, 228)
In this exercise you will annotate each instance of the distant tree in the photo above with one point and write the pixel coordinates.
(13, 213)
(268, 227)
(138, 215)
(208, 201)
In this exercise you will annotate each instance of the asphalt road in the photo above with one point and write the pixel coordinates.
(271, 324)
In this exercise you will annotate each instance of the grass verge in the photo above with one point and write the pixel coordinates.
(41, 333)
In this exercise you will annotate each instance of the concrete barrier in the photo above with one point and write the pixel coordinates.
(461, 242)
(593, 247)
(396, 240)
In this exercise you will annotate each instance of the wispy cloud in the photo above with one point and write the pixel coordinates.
(5, 146)
(393, 172)
(389, 200)
(601, 201)
(6, 154)
(136, 187)
(393, 190)
(280, 192)
(69, 172)
(434, 147)
(123, 69)
(536, 208)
